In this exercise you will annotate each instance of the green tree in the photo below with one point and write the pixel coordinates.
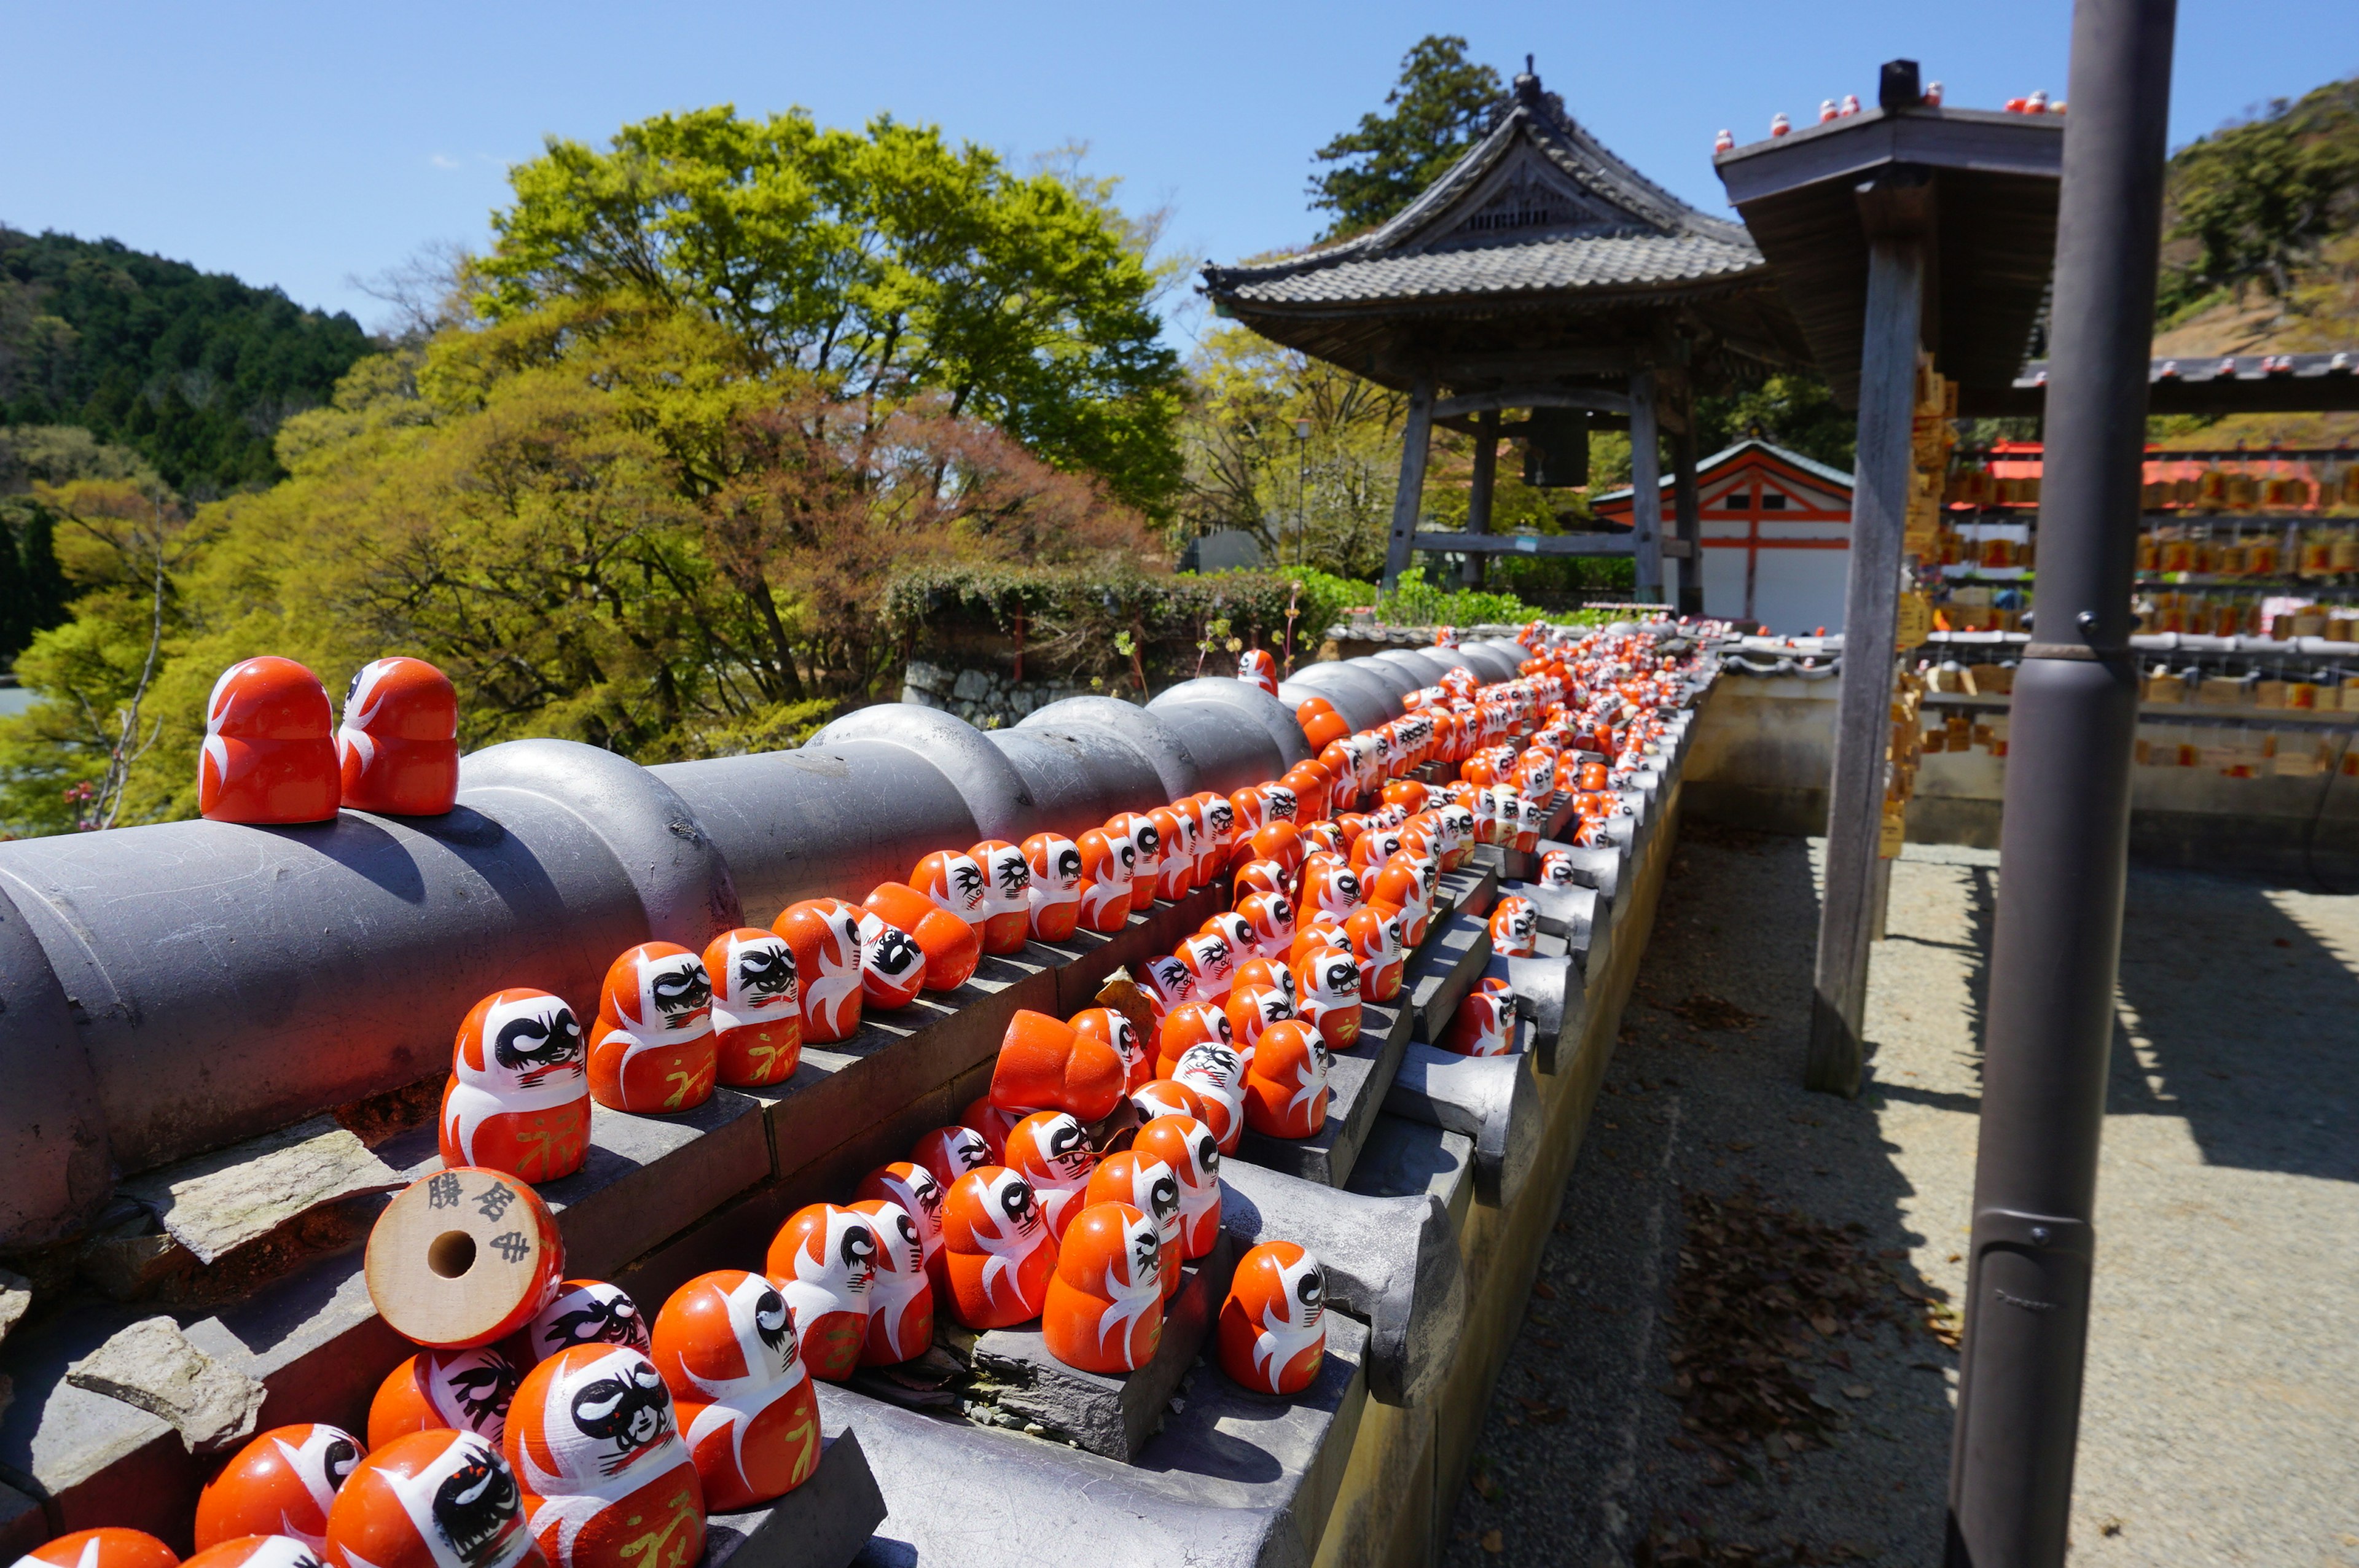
(2256, 201)
(1439, 107)
(1796, 411)
(191, 370)
(887, 264)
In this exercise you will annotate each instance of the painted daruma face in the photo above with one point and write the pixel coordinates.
(518, 1099)
(1053, 903)
(1515, 926)
(1115, 1032)
(997, 1251)
(914, 1190)
(901, 1301)
(954, 882)
(282, 1482)
(468, 1390)
(1103, 1310)
(725, 1346)
(825, 1260)
(653, 1049)
(1149, 1185)
(586, 1312)
(1050, 1151)
(1006, 890)
(1188, 1146)
(596, 1446)
(432, 1499)
(824, 934)
(757, 1024)
(1256, 667)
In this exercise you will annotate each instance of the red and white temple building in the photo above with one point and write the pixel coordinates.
(1776, 535)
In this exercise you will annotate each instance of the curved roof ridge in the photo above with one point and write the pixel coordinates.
(1531, 113)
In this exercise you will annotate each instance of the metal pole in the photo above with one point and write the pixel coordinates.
(1855, 784)
(2064, 843)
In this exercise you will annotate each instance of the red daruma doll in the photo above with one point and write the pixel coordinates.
(282, 1482)
(595, 1445)
(1050, 1151)
(825, 1260)
(1187, 1146)
(398, 746)
(1147, 1184)
(996, 1250)
(1286, 1083)
(1105, 1308)
(429, 1500)
(652, 1049)
(267, 756)
(1007, 887)
(518, 1099)
(901, 1298)
(824, 934)
(1272, 1329)
(757, 1024)
(1053, 901)
(726, 1349)
(106, 1547)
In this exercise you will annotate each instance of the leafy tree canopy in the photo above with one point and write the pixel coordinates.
(193, 371)
(1440, 107)
(2253, 203)
(885, 264)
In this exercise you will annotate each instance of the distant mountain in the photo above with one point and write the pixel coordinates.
(2261, 252)
(193, 371)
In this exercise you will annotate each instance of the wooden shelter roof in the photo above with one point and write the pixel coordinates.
(1540, 252)
(1987, 189)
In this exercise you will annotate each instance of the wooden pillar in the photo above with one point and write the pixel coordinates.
(1687, 520)
(1847, 911)
(1646, 490)
(1408, 499)
(1478, 493)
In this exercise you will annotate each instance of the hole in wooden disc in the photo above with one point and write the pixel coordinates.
(451, 1254)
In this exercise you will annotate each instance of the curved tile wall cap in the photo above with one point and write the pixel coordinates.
(1274, 715)
(683, 880)
(52, 1131)
(995, 793)
(1176, 767)
(824, 821)
(1359, 697)
(1424, 668)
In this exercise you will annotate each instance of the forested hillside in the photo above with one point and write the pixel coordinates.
(193, 371)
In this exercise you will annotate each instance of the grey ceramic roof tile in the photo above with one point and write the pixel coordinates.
(1589, 261)
(1539, 206)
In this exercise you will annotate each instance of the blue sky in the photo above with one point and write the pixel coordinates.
(306, 145)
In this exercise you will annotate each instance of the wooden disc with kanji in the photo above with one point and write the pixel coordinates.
(463, 1257)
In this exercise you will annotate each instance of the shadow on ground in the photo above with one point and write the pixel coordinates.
(1702, 1103)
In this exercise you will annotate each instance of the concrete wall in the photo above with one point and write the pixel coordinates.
(1764, 744)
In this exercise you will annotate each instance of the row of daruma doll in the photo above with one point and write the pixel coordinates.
(671, 1023)
(274, 753)
(591, 1438)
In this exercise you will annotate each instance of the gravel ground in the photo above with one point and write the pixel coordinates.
(2221, 1421)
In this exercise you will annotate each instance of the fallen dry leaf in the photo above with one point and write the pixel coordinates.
(1857, 1391)
(1493, 1542)
(1541, 1288)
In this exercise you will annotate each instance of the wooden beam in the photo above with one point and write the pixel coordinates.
(1688, 522)
(1542, 544)
(1870, 616)
(1417, 440)
(1533, 365)
(1646, 491)
(1478, 492)
(1598, 398)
